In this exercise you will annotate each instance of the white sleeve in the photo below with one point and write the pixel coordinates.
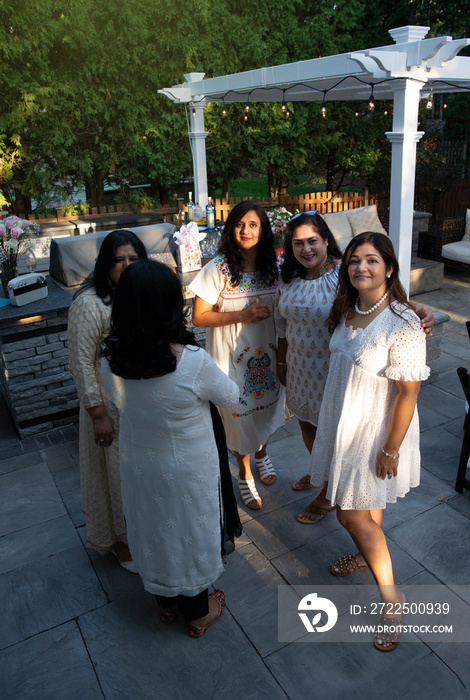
(408, 351)
(208, 283)
(211, 384)
(279, 321)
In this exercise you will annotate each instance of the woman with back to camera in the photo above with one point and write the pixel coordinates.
(367, 447)
(309, 277)
(234, 300)
(162, 385)
(88, 324)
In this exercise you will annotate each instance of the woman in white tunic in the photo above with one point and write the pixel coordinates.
(234, 300)
(162, 385)
(88, 325)
(367, 447)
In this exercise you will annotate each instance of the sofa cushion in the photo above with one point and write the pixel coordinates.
(339, 225)
(466, 235)
(458, 251)
(365, 219)
(73, 258)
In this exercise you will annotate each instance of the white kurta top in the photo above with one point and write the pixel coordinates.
(170, 472)
(357, 406)
(246, 352)
(302, 308)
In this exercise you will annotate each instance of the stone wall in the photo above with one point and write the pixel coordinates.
(37, 384)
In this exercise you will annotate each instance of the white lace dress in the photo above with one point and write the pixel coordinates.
(246, 352)
(170, 472)
(357, 407)
(301, 310)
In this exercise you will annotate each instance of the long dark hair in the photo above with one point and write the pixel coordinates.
(266, 257)
(346, 295)
(291, 267)
(99, 279)
(147, 316)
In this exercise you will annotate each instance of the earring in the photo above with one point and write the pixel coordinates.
(388, 276)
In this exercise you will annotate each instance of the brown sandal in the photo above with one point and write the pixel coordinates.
(347, 565)
(313, 509)
(302, 484)
(388, 640)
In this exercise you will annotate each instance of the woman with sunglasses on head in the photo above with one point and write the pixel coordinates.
(234, 300)
(309, 277)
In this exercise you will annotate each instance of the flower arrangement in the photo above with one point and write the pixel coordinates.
(279, 219)
(15, 236)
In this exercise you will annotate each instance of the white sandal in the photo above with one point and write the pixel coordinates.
(249, 493)
(266, 470)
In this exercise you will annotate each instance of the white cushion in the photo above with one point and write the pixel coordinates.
(365, 219)
(339, 225)
(458, 251)
(466, 235)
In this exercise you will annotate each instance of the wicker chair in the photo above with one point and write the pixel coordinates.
(448, 230)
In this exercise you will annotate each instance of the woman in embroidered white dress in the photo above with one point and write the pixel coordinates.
(367, 447)
(234, 300)
(162, 385)
(305, 295)
(88, 324)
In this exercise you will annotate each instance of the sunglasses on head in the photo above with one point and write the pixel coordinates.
(308, 213)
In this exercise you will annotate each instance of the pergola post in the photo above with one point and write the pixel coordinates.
(404, 137)
(197, 137)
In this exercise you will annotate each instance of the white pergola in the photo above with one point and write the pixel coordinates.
(404, 72)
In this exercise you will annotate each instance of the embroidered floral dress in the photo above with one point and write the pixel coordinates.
(246, 352)
(170, 472)
(357, 408)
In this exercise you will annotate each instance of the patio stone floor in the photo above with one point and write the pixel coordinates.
(77, 626)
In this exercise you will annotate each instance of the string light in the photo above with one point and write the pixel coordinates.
(224, 112)
(287, 113)
(246, 117)
(323, 104)
(247, 107)
(194, 110)
(283, 106)
(371, 98)
(429, 103)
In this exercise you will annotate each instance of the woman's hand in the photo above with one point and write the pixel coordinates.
(102, 428)
(386, 466)
(427, 320)
(256, 312)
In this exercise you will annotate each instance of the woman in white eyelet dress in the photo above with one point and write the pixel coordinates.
(367, 447)
(304, 298)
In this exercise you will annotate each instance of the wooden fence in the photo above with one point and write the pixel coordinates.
(323, 202)
(456, 201)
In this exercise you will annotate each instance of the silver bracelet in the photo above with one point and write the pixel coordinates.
(391, 456)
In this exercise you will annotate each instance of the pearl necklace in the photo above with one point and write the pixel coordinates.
(372, 308)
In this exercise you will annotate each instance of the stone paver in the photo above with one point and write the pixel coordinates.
(75, 625)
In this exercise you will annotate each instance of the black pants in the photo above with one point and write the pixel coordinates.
(191, 607)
